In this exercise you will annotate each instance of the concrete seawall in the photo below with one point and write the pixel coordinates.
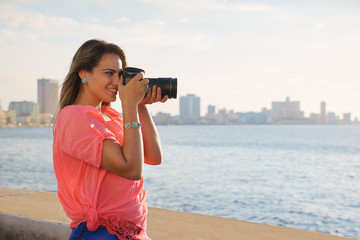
(26, 214)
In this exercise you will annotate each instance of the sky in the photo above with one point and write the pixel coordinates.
(238, 55)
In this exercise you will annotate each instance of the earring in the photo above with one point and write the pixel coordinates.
(84, 80)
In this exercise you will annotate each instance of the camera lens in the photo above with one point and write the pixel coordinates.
(168, 86)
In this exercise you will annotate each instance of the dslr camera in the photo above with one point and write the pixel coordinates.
(168, 86)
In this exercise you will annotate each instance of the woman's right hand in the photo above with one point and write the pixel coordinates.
(134, 91)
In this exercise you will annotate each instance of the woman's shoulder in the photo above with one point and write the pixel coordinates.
(111, 112)
(77, 112)
(70, 109)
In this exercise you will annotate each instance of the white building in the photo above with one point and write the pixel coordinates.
(190, 108)
(286, 111)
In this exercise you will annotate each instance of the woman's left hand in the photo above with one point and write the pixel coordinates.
(153, 96)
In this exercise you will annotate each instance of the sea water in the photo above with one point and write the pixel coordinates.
(300, 176)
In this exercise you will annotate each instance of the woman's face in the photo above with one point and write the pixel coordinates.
(102, 81)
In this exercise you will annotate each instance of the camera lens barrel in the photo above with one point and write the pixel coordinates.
(168, 86)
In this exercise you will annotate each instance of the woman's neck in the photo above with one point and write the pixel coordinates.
(82, 99)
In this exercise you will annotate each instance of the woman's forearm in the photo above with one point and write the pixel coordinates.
(132, 147)
(152, 146)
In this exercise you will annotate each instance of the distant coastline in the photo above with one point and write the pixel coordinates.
(171, 123)
(26, 114)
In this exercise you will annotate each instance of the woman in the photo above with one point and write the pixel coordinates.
(98, 155)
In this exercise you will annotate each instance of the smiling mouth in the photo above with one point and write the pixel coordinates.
(112, 90)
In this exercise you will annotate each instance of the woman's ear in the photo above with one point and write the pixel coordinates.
(82, 74)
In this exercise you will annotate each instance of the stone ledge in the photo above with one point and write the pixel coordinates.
(15, 227)
(30, 212)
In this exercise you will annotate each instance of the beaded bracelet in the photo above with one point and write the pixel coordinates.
(132, 125)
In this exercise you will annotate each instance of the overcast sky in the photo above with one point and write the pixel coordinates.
(241, 55)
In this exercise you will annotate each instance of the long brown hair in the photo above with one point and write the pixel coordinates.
(86, 58)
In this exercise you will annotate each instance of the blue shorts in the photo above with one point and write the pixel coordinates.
(81, 232)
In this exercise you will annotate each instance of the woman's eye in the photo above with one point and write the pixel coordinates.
(109, 73)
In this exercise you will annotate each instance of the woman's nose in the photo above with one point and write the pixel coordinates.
(116, 79)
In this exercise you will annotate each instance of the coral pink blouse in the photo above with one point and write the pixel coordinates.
(87, 191)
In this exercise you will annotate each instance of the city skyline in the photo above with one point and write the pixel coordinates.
(323, 108)
(281, 112)
(27, 114)
(31, 113)
(45, 87)
(251, 53)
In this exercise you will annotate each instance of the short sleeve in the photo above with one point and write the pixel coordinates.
(81, 131)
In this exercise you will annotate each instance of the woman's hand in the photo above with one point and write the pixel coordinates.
(153, 96)
(133, 92)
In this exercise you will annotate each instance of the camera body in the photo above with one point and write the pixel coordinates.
(168, 86)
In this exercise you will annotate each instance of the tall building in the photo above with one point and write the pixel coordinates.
(48, 96)
(190, 108)
(332, 118)
(286, 111)
(347, 118)
(211, 110)
(210, 116)
(323, 115)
